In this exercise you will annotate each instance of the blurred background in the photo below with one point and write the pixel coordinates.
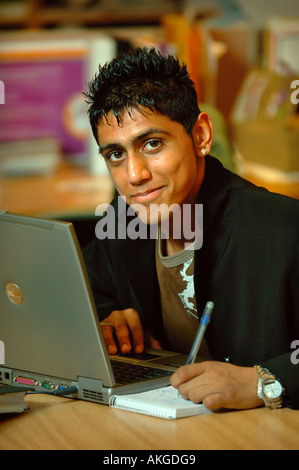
(243, 57)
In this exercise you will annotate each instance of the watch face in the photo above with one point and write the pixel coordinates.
(272, 389)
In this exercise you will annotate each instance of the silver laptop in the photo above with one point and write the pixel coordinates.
(48, 321)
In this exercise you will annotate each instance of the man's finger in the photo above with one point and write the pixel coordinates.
(136, 331)
(123, 336)
(186, 373)
(108, 335)
(152, 342)
(127, 330)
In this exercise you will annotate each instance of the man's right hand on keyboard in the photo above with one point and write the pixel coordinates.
(125, 326)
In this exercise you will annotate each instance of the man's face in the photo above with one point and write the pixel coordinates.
(152, 160)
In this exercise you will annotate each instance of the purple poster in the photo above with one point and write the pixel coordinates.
(43, 98)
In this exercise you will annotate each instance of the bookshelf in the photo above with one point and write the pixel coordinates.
(40, 14)
(225, 51)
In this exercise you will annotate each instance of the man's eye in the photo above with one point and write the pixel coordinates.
(115, 156)
(153, 145)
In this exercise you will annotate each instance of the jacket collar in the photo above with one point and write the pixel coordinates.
(220, 195)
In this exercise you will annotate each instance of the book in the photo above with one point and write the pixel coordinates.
(162, 403)
(12, 399)
(29, 157)
(281, 45)
(43, 75)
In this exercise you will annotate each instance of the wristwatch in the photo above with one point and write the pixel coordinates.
(269, 389)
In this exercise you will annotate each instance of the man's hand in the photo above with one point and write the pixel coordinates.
(218, 385)
(125, 327)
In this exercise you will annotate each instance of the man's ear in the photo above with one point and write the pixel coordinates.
(203, 134)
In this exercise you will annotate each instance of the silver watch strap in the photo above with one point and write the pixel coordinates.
(265, 374)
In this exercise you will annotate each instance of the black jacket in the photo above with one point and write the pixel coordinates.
(248, 266)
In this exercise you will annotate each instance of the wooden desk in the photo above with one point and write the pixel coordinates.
(70, 191)
(60, 423)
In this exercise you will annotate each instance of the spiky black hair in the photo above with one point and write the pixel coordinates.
(143, 78)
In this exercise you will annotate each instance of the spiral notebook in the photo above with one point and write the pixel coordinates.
(161, 403)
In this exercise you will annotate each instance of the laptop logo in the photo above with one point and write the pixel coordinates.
(14, 293)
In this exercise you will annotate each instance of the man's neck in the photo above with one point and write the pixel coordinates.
(170, 246)
(173, 246)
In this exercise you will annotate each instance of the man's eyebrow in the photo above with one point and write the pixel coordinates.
(111, 146)
(117, 145)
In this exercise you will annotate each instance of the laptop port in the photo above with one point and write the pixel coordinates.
(47, 385)
(25, 381)
(60, 387)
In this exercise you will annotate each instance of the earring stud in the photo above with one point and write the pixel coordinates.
(203, 151)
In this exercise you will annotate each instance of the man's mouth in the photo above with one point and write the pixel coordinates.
(147, 196)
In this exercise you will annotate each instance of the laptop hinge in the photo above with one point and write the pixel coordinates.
(90, 389)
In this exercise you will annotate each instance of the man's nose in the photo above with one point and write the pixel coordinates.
(137, 169)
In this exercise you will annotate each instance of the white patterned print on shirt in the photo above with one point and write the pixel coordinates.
(188, 294)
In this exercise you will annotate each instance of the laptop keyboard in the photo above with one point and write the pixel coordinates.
(126, 373)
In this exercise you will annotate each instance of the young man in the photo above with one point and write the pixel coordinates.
(151, 290)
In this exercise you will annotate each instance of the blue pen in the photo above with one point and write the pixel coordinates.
(204, 321)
